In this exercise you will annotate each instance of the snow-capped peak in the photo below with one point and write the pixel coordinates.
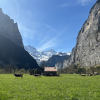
(68, 53)
(42, 55)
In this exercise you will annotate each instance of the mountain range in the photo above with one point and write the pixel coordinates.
(86, 53)
(43, 55)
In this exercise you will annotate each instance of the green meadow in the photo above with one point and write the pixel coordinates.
(65, 87)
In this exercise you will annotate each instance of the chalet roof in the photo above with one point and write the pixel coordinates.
(50, 69)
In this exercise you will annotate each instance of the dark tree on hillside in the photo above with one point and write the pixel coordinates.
(35, 71)
(43, 64)
(1, 67)
(92, 69)
(8, 68)
(15, 68)
(22, 71)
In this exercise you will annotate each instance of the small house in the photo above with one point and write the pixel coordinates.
(50, 71)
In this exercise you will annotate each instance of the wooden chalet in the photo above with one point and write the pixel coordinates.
(50, 71)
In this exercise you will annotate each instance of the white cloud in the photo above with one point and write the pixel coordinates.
(50, 27)
(47, 43)
(83, 2)
(67, 50)
(64, 5)
(27, 32)
(64, 50)
(51, 43)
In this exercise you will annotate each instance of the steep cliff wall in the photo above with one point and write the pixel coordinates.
(87, 50)
(12, 51)
(9, 29)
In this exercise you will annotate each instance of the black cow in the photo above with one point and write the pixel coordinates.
(37, 75)
(19, 75)
(91, 74)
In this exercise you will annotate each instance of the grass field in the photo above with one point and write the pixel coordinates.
(65, 87)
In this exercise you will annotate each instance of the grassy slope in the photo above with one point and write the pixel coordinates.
(66, 87)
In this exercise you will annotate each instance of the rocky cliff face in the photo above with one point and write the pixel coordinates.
(87, 50)
(12, 51)
(9, 29)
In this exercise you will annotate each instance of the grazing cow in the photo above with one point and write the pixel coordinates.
(31, 74)
(37, 75)
(19, 75)
(83, 75)
(50, 74)
(91, 74)
(57, 75)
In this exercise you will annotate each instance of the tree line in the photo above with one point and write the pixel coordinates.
(9, 69)
(79, 70)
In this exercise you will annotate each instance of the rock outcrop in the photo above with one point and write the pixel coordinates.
(87, 50)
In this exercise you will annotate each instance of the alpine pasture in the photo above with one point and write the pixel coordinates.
(63, 87)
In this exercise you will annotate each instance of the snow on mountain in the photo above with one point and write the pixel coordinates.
(62, 53)
(42, 55)
(68, 53)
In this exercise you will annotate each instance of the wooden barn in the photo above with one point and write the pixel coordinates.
(50, 71)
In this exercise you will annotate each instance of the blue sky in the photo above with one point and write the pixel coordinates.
(48, 24)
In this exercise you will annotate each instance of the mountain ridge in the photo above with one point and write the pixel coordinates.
(42, 55)
(55, 59)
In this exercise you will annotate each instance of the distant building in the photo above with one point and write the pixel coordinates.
(50, 71)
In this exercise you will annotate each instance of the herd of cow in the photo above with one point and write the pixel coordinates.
(89, 74)
(21, 75)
